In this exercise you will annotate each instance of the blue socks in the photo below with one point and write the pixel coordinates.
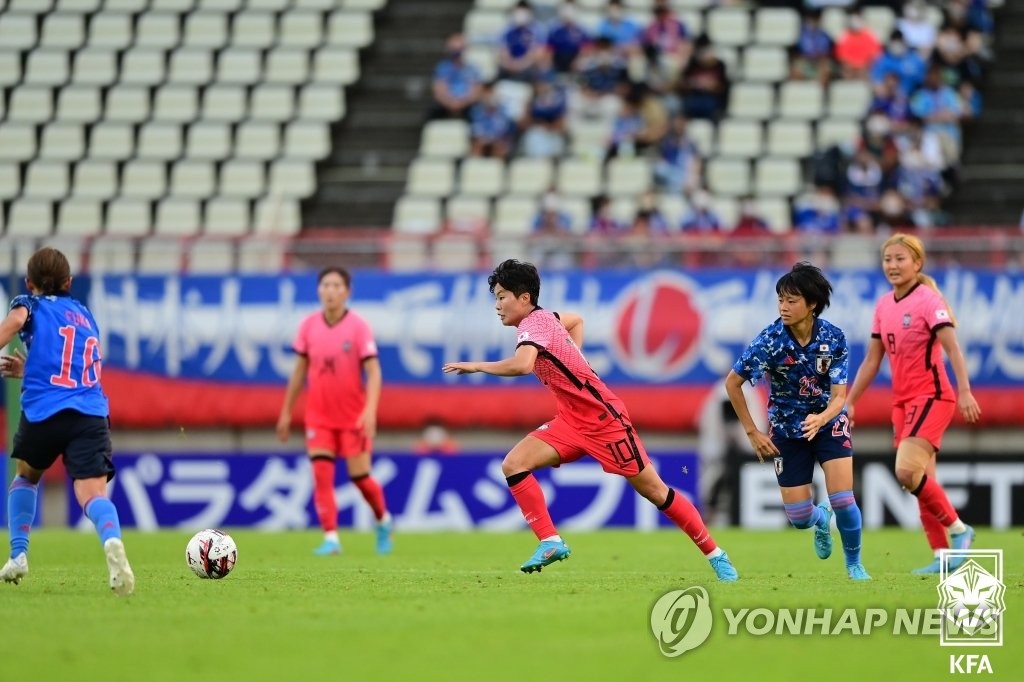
(103, 514)
(21, 512)
(804, 514)
(848, 521)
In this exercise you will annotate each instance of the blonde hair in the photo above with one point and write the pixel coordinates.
(916, 248)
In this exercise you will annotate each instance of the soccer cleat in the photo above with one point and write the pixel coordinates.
(931, 569)
(823, 536)
(724, 569)
(328, 548)
(857, 572)
(384, 530)
(960, 541)
(122, 580)
(548, 552)
(15, 569)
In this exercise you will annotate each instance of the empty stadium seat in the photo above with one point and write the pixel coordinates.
(226, 216)
(80, 217)
(128, 217)
(430, 178)
(530, 176)
(177, 217)
(416, 215)
(210, 256)
(482, 177)
(445, 139)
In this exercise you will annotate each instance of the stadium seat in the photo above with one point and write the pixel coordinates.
(225, 103)
(589, 139)
(177, 6)
(776, 26)
(255, 256)
(335, 65)
(253, 29)
(765, 64)
(482, 177)
(321, 103)
(160, 256)
(729, 177)
(849, 99)
(776, 212)
(801, 99)
(728, 211)
(10, 181)
(777, 177)
(95, 66)
(752, 101)
(18, 31)
(416, 215)
(445, 139)
(286, 67)
(578, 210)
(111, 255)
(208, 30)
(226, 217)
(430, 178)
(257, 141)
(790, 138)
(142, 66)
(350, 29)
(130, 6)
(275, 215)
(47, 180)
(221, 5)
(672, 207)
(407, 253)
(740, 139)
(193, 180)
(111, 141)
(30, 218)
(270, 5)
(158, 30)
(128, 218)
(272, 103)
(530, 176)
(63, 30)
(482, 27)
(455, 253)
(10, 68)
(300, 29)
(291, 179)
(31, 105)
(628, 176)
(144, 179)
(309, 140)
(160, 141)
(17, 142)
(242, 179)
(831, 131)
(465, 213)
(370, 5)
(62, 142)
(111, 30)
(728, 26)
(177, 217)
(482, 58)
(882, 20)
(239, 66)
(213, 256)
(514, 216)
(80, 218)
(579, 177)
(79, 104)
(94, 180)
(208, 141)
(623, 210)
(702, 132)
(126, 104)
(191, 66)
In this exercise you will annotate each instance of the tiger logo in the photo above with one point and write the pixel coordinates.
(972, 599)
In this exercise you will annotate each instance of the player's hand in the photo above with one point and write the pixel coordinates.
(968, 406)
(459, 368)
(284, 427)
(811, 425)
(763, 445)
(367, 421)
(12, 366)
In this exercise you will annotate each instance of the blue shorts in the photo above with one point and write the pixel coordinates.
(83, 440)
(795, 464)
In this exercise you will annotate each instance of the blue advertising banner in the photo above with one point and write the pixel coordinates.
(466, 492)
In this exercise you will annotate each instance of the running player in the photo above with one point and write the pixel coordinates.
(906, 326)
(335, 348)
(807, 362)
(590, 419)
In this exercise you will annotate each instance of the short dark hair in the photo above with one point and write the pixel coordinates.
(808, 281)
(49, 271)
(518, 277)
(335, 270)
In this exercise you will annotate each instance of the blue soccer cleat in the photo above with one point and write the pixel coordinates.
(857, 572)
(931, 569)
(960, 541)
(548, 552)
(724, 569)
(384, 530)
(823, 536)
(328, 548)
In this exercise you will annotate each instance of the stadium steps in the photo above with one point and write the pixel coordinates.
(991, 175)
(358, 184)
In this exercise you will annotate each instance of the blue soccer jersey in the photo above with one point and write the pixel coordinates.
(62, 371)
(801, 376)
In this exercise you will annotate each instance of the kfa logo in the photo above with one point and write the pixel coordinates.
(681, 620)
(972, 599)
(658, 326)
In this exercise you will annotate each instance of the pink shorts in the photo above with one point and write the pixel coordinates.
(342, 442)
(922, 417)
(617, 448)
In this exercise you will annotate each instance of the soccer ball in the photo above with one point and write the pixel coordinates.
(211, 553)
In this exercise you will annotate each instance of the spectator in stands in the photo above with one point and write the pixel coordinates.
(857, 47)
(601, 71)
(818, 212)
(950, 51)
(877, 138)
(602, 220)
(435, 440)
(750, 223)
(522, 45)
(622, 31)
(921, 188)
(678, 169)
(941, 108)
(653, 116)
(551, 220)
(979, 15)
(926, 143)
(975, 60)
(627, 125)
(666, 40)
(492, 130)
(863, 182)
(704, 85)
(701, 218)
(648, 205)
(544, 121)
(916, 28)
(811, 57)
(905, 63)
(457, 85)
(971, 99)
(567, 39)
(551, 226)
(891, 100)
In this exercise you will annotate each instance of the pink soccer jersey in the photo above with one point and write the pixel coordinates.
(335, 391)
(581, 398)
(907, 328)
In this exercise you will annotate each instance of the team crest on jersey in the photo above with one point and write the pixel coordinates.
(906, 321)
(822, 363)
(778, 466)
(942, 314)
(523, 336)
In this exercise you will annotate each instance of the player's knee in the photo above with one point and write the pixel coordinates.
(513, 464)
(908, 478)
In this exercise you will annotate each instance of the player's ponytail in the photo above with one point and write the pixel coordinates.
(916, 249)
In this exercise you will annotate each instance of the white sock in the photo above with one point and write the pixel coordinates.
(937, 553)
(331, 536)
(957, 527)
(553, 538)
(384, 519)
(716, 552)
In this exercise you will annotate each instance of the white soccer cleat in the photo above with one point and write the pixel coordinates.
(122, 580)
(15, 569)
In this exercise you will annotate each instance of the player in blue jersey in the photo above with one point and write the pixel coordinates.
(63, 412)
(807, 362)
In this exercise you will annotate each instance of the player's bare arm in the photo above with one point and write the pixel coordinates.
(12, 366)
(374, 380)
(12, 324)
(866, 373)
(573, 324)
(518, 365)
(965, 399)
(760, 441)
(813, 423)
(295, 382)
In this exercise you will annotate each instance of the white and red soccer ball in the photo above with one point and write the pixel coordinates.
(211, 554)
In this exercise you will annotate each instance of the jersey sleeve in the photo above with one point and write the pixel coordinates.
(21, 301)
(876, 323)
(839, 371)
(533, 333)
(365, 341)
(938, 313)
(301, 343)
(753, 362)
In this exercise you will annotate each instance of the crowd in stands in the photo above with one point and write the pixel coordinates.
(648, 81)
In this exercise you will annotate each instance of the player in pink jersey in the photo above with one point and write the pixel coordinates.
(589, 420)
(907, 324)
(335, 349)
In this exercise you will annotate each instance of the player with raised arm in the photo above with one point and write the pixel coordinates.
(63, 412)
(590, 419)
(335, 349)
(807, 362)
(907, 324)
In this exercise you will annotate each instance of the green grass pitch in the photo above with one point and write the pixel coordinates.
(456, 607)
